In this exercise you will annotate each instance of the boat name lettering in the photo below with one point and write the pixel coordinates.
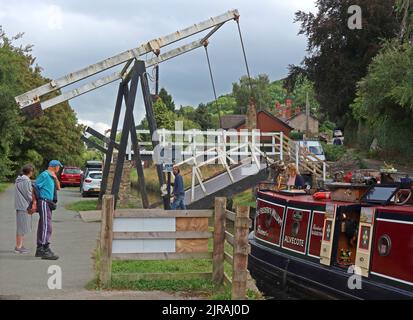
(272, 212)
(294, 241)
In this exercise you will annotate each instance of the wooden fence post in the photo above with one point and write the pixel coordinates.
(219, 240)
(106, 236)
(241, 249)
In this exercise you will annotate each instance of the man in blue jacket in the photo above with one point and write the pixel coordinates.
(47, 184)
(179, 191)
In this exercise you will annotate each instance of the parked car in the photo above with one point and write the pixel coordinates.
(70, 176)
(313, 147)
(91, 183)
(90, 166)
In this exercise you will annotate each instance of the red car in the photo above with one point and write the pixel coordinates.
(70, 176)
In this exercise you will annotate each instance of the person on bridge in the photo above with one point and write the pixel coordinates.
(22, 200)
(179, 191)
(47, 185)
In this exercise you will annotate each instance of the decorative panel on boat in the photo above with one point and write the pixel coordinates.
(269, 221)
(296, 229)
(316, 234)
(328, 235)
(392, 249)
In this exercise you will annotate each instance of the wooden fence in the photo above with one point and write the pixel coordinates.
(142, 234)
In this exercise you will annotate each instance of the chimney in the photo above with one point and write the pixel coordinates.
(251, 121)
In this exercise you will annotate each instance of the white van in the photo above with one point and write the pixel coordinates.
(313, 147)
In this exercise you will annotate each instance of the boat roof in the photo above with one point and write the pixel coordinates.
(308, 199)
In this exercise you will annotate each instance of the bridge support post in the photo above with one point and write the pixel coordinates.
(130, 97)
(111, 146)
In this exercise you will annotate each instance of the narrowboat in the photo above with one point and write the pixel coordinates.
(355, 244)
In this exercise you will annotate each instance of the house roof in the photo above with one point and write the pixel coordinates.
(232, 121)
(236, 120)
(277, 119)
(301, 113)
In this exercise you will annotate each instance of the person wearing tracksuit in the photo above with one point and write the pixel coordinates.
(47, 184)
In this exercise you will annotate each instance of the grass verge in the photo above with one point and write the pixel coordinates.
(85, 205)
(4, 186)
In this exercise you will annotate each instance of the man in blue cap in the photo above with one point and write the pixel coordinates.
(47, 184)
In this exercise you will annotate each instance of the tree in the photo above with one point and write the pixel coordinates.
(242, 93)
(338, 57)
(167, 99)
(384, 102)
(164, 118)
(54, 135)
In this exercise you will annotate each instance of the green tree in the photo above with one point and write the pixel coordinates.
(260, 92)
(167, 99)
(53, 135)
(338, 57)
(384, 102)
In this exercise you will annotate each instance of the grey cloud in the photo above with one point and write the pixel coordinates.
(95, 30)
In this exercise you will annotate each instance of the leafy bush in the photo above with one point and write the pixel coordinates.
(333, 152)
(295, 135)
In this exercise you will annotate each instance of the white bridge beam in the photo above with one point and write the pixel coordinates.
(154, 45)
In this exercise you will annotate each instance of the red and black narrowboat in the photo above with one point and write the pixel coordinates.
(334, 249)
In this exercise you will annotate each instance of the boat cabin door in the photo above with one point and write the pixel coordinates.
(328, 234)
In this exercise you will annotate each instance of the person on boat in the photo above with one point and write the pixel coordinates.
(295, 180)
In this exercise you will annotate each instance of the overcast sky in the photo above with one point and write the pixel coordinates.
(70, 35)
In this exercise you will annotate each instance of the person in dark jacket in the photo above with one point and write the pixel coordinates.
(22, 200)
(179, 191)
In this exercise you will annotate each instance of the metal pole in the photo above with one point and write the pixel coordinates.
(150, 116)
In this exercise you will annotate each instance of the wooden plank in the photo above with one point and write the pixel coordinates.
(106, 234)
(161, 256)
(227, 280)
(162, 276)
(159, 213)
(219, 241)
(192, 245)
(162, 235)
(241, 247)
(230, 238)
(228, 258)
(192, 224)
(230, 215)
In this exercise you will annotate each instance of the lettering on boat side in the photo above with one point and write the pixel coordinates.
(317, 231)
(271, 213)
(294, 241)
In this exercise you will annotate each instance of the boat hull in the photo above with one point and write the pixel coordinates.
(274, 270)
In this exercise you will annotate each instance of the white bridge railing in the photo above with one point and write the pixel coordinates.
(226, 148)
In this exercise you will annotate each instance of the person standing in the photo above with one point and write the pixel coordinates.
(179, 191)
(47, 186)
(22, 200)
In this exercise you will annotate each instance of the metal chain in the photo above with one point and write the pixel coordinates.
(213, 83)
(245, 55)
